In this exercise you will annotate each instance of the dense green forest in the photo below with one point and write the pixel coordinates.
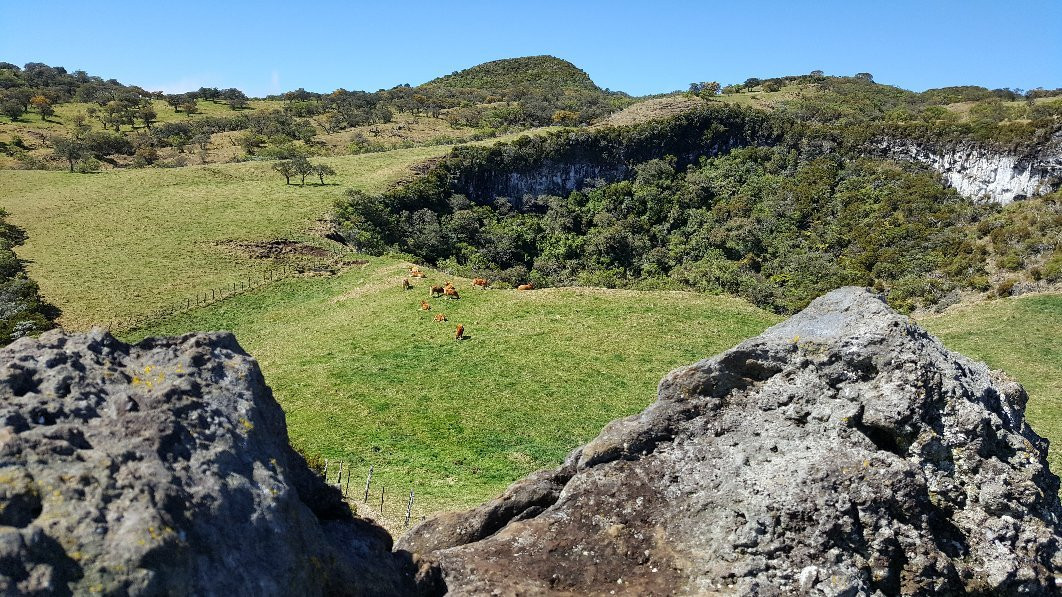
(724, 199)
(22, 310)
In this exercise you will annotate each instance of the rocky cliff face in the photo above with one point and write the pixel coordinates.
(164, 468)
(843, 452)
(985, 174)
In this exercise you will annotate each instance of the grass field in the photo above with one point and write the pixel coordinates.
(117, 244)
(367, 377)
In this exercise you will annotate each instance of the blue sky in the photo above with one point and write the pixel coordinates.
(639, 47)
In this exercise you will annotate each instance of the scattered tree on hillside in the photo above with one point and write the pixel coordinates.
(12, 108)
(322, 170)
(706, 89)
(865, 76)
(771, 85)
(751, 82)
(70, 149)
(302, 167)
(190, 107)
(175, 101)
(285, 170)
(147, 113)
(43, 106)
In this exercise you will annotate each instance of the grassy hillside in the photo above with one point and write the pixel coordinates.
(1020, 336)
(366, 376)
(117, 244)
(535, 72)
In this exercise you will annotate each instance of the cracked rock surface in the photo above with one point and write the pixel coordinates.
(843, 452)
(164, 468)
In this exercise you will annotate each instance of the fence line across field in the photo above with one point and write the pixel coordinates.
(213, 295)
(342, 472)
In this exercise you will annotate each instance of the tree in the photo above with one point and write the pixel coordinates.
(302, 167)
(285, 169)
(70, 149)
(189, 107)
(751, 82)
(771, 85)
(147, 113)
(12, 108)
(202, 140)
(43, 106)
(175, 101)
(865, 76)
(322, 170)
(565, 118)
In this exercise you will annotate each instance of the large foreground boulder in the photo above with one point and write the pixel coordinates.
(843, 452)
(164, 468)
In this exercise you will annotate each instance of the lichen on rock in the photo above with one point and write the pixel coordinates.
(164, 468)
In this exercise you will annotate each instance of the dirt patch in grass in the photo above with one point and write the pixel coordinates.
(278, 248)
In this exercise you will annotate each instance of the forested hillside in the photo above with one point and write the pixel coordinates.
(721, 199)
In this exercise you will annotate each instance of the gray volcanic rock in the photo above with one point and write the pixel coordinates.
(164, 468)
(843, 452)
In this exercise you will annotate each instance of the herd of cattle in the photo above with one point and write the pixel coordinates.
(449, 291)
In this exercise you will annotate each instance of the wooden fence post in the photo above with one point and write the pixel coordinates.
(409, 507)
(367, 482)
(346, 490)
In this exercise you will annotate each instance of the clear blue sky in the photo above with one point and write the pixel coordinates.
(640, 47)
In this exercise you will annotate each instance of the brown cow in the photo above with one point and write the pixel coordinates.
(528, 286)
(451, 292)
(424, 306)
(437, 291)
(414, 272)
(460, 334)
(406, 285)
(481, 282)
(439, 317)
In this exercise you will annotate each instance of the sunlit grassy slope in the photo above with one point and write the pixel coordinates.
(366, 376)
(121, 243)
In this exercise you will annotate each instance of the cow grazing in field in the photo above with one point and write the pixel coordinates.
(414, 272)
(437, 291)
(481, 282)
(439, 317)
(424, 306)
(451, 292)
(406, 285)
(528, 286)
(460, 334)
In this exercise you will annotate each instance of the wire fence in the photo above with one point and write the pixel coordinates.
(248, 282)
(392, 509)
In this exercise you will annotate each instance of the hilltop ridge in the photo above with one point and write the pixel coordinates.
(538, 72)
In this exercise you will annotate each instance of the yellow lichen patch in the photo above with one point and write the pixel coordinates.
(135, 381)
(247, 425)
(147, 369)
